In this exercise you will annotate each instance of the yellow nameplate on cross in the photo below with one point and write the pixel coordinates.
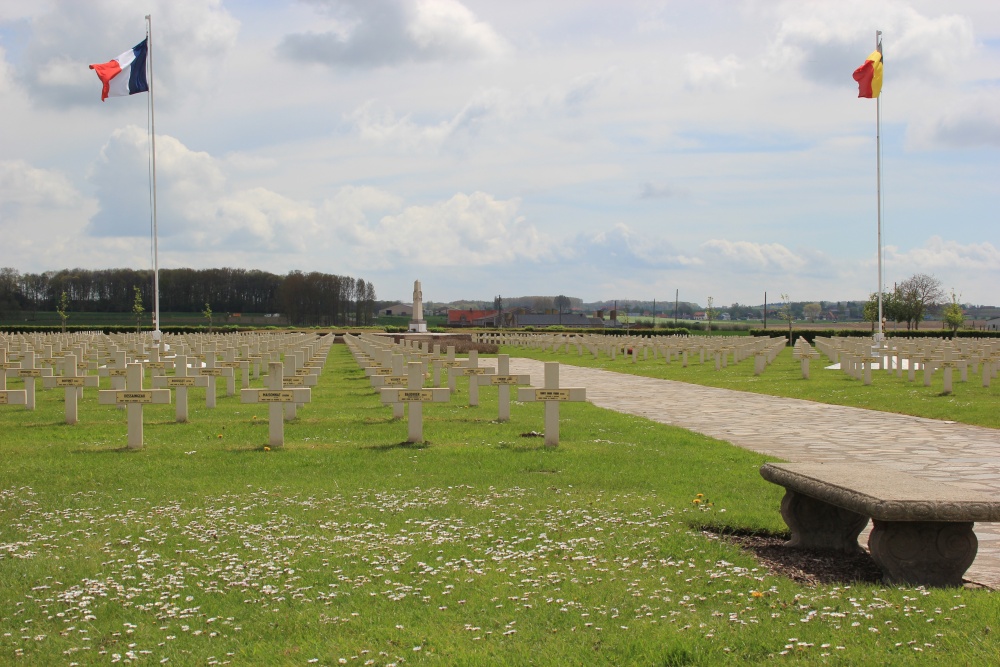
(116, 372)
(394, 380)
(264, 396)
(294, 381)
(414, 395)
(182, 382)
(156, 364)
(552, 394)
(134, 397)
(212, 372)
(29, 373)
(508, 379)
(474, 371)
(9, 366)
(71, 382)
(13, 397)
(451, 364)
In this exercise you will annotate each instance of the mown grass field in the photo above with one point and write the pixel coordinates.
(479, 547)
(969, 402)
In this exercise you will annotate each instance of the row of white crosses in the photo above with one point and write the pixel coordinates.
(383, 363)
(857, 358)
(125, 366)
(763, 349)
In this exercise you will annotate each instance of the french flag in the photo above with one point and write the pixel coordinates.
(126, 74)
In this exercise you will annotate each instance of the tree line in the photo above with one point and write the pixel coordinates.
(909, 301)
(306, 299)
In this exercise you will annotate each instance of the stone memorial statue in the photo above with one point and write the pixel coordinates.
(418, 324)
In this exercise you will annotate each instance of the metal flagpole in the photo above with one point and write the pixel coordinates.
(157, 334)
(878, 188)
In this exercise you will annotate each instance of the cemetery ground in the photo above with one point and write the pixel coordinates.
(480, 546)
(968, 403)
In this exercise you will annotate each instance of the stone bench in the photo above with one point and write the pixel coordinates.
(922, 531)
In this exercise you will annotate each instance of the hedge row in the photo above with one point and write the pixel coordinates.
(811, 334)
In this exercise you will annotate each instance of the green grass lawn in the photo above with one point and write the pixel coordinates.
(969, 402)
(479, 547)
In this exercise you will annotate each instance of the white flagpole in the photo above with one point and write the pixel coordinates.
(878, 167)
(157, 334)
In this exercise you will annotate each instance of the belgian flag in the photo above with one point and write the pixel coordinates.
(869, 76)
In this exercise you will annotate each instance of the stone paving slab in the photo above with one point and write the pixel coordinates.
(804, 431)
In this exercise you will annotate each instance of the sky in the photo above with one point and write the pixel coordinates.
(627, 150)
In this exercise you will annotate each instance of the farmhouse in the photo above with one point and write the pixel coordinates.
(400, 309)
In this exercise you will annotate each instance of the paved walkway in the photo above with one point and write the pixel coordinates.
(797, 430)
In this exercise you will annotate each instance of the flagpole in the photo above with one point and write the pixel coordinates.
(878, 188)
(157, 334)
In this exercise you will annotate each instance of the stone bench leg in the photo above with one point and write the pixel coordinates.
(923, 553)
(819, 525)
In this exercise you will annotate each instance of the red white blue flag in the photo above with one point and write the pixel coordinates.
(125, 75)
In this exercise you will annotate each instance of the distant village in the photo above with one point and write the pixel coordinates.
(570, 312)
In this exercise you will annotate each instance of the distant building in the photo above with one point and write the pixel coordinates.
(471, 318)
(400, 309)
(993, 325)
(571, 320)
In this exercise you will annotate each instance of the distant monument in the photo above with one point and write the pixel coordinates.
(418, 324)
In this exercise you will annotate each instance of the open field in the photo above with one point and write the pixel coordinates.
(969, 402)
(480, 547)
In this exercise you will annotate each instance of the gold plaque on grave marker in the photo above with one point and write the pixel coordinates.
(273, 396)
(134, 397)
(181, 382)
(414, 395)
(70, 382)
(552, 394)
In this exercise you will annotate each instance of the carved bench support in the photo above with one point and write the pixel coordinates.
(819, 525)
(929, 553)
(922, 530)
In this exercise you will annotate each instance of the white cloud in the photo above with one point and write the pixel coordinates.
(466, 230)
(625, 247)
(662, 191)
(822, 39)
(23, 185)
(703, 71)
(403, 133)
(378, 33)
(764, 257)
(70, 35)
(971, 121)
(938, 254)
(41, 215)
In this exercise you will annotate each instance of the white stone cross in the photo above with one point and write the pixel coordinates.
(275, 395)
(414, 396)
(395, 378)
(29, 372)
(472, 370)
(4, 367)
(447, 363)
(182, 378)
(552, 394)
(133, 397)
(503, 379)
(212, 371)
(9, 396)
(73, 383)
